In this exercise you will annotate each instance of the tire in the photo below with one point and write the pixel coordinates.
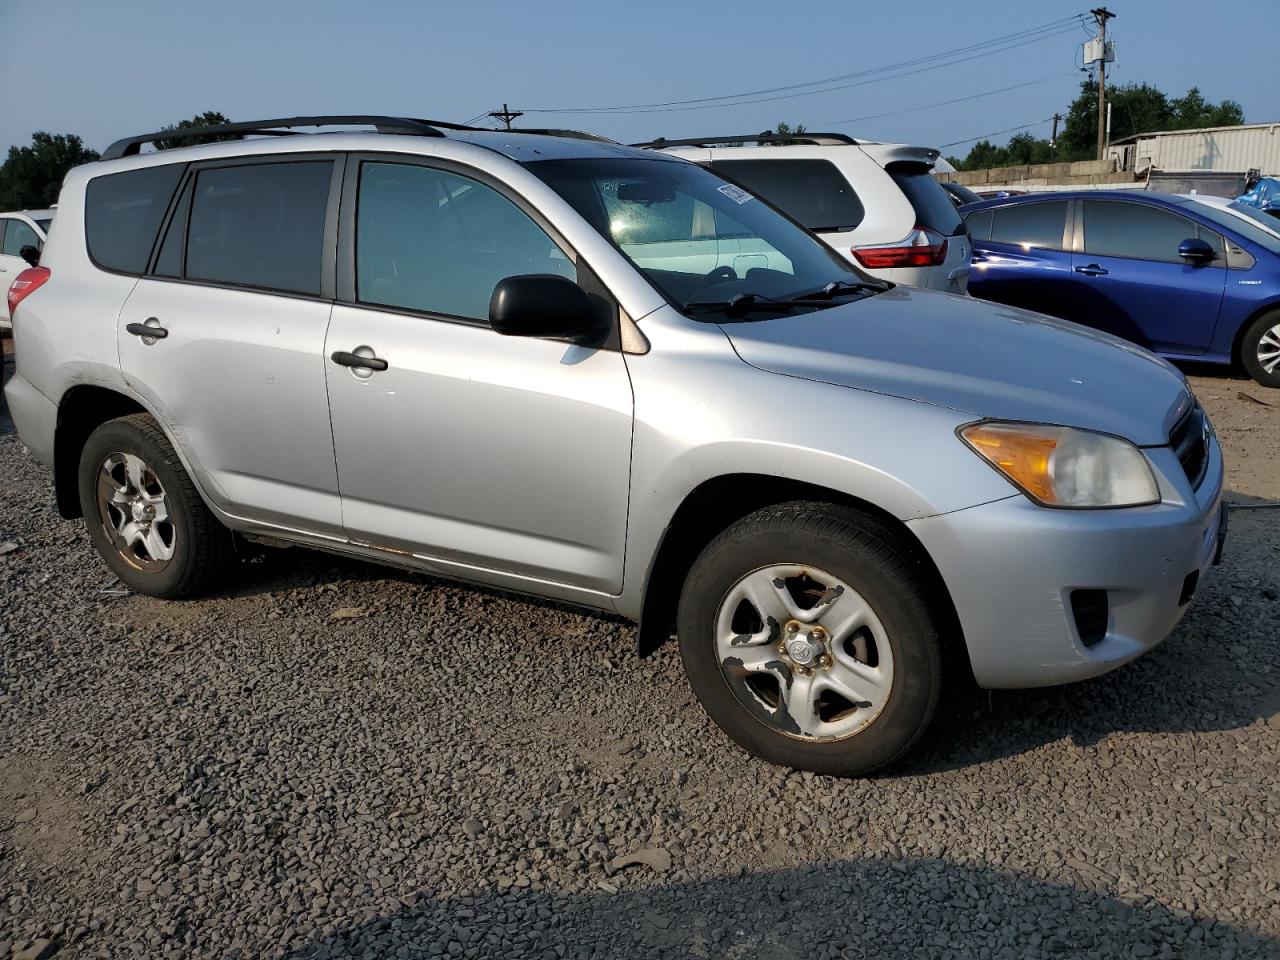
(144, 514)
(1260, 348)
(868, 640)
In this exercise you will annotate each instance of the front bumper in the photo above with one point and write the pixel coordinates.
(1011, 567)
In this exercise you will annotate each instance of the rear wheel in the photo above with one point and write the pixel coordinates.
(808, 636)
(144, 514)
(1260, 349)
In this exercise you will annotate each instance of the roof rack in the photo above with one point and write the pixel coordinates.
(130, 146)
(768, 136)
(287, 126)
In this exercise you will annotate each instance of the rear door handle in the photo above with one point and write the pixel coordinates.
(345, 359)
(151, 330)
(1092, 270)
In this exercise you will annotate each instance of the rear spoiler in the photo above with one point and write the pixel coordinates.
(888, 154)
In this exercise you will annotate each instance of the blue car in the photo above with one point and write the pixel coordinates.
(1187, 277)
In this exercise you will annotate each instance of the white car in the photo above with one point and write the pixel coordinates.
(18, 230)
(876, 203)
(1250, 214)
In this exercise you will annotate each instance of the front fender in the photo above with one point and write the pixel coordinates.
(701, 413)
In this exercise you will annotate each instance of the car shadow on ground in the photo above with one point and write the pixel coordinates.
(867, 908)
(1204, 678)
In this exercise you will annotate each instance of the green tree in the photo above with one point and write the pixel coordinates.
(1192, 110)
(31, 177)
(209, 118)
(783, 129)
(1135, 108)
(1139, 108)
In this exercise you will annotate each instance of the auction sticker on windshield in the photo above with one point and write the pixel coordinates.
(734, 193)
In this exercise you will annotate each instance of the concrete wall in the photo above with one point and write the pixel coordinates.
(1081, 173)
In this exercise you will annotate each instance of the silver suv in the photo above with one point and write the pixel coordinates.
(454, 351)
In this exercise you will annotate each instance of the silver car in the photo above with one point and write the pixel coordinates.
(564, 367)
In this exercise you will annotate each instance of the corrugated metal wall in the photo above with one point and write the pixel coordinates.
(1238, 150)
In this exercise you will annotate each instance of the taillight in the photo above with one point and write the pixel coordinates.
(27, 283)
(921, 248)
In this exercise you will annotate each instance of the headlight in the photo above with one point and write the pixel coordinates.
(1065, 467)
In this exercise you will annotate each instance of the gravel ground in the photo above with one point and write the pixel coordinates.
(445, 771)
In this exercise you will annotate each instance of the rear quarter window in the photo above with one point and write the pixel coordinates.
(812, 192)
(122, 214)
(934, 209)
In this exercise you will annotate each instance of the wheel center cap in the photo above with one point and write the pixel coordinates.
(142, 512)
(803, 650)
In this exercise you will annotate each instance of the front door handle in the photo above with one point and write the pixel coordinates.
(1092, 270)
(150, 331)
(346, 359)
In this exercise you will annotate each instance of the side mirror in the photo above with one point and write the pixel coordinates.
(542, 305)
(1196, 251)
(31, 254)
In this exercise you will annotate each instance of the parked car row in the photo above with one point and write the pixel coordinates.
(616, 378)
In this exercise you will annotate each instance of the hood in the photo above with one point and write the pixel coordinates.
(976, 357)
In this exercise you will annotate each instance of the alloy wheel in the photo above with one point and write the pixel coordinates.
(804, 652)
(135, 512)
(1269, 349)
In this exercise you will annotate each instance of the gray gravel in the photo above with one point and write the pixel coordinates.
(459, 773)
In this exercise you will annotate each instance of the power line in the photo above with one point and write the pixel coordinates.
(996, 133)
(943, 103)
(954, 56)
(809, 93)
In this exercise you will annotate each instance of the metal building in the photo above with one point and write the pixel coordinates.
(1252, 146)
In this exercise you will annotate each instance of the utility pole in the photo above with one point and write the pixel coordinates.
(1102, 15)
(1053, 140)
(506, 115)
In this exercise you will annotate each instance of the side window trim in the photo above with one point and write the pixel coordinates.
(4, 225)
(346, 233)
(184, 195)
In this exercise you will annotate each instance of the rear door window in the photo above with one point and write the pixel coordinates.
(20, 235)
(813, 192)
(1039, 224)
(260, 225)
(934, 209)
(1114, 228)
(122, 213)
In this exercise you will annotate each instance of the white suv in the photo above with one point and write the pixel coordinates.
(27, 228)
(876, 203)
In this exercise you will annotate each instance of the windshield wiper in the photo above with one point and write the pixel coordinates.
(742, 303)
(837, 287)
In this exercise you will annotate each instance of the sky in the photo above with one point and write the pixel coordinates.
(109, 68)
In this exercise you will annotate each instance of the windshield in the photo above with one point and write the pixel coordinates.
(44, 225)
(699, 239)
(1249, 222)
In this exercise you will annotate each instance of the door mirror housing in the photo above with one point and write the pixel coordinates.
(542, 305)
(1196, 251)
(31, 254)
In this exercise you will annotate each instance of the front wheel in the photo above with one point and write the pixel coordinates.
(144, 514)
(1260, 349)
(809, 637)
